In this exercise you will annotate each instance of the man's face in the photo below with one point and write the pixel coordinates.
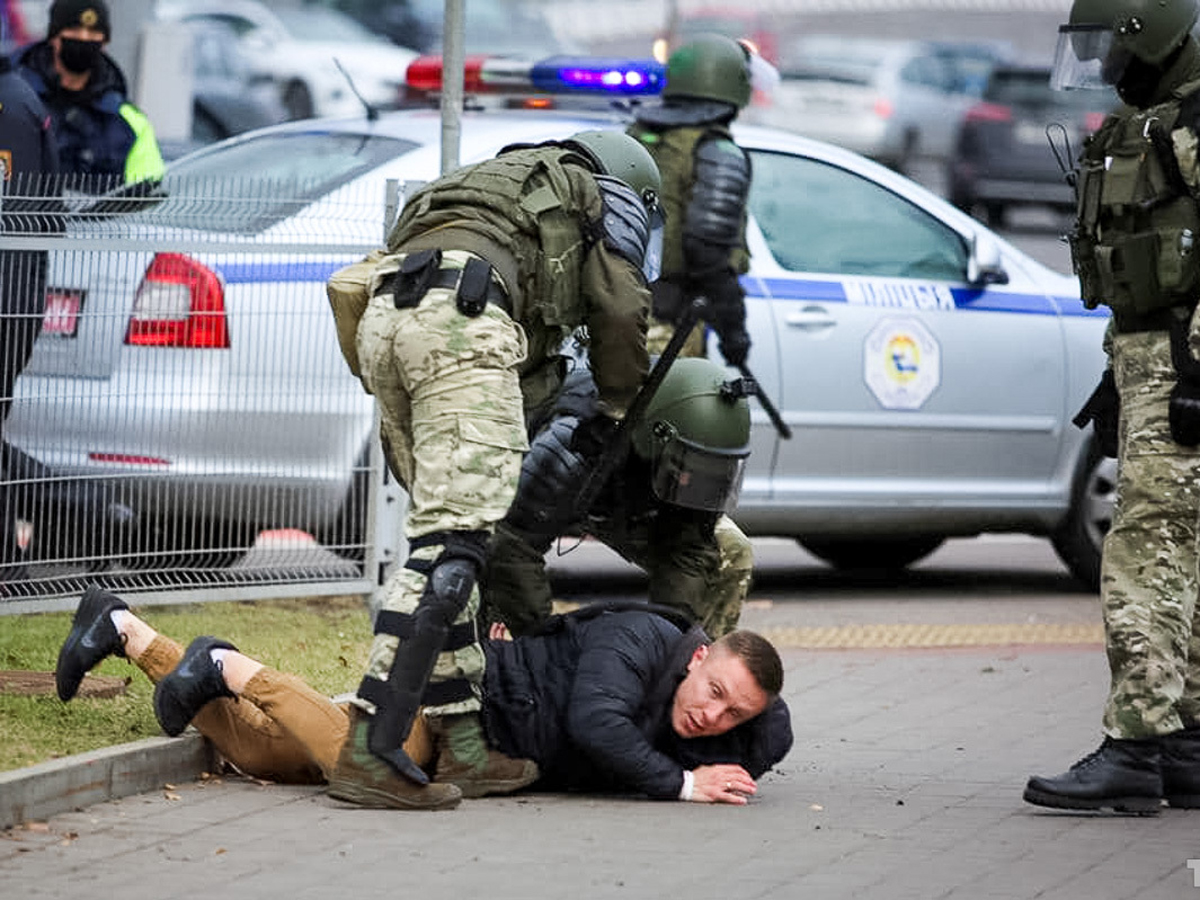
(717, 694)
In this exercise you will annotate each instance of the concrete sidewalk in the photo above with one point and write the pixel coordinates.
(905, 782)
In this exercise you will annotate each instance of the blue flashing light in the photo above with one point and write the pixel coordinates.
(564, 74)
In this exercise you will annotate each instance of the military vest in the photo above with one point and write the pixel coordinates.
(524, 213)
(1137, 224)
(674, 151)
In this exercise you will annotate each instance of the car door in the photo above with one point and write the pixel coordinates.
(905, 386)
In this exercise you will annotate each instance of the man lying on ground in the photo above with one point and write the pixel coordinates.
(601, 700)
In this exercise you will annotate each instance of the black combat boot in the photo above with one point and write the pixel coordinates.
(92, 637)
(193, 683)
(1122, 775)
(1181, 768)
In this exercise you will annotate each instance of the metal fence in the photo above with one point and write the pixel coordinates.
(178, 422)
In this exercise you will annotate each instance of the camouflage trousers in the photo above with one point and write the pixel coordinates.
(1150, 574)
(658, 335)
(451, 412)
(705, 577)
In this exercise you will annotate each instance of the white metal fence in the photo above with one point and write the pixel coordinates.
(178, 421)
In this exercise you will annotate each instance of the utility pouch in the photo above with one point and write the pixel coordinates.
(1138, 276)
(1083, 262)
(473, 287)
(415, 277)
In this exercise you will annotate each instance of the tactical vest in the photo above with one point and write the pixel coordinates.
(674, 151)
(1137, 224)
(521, 213)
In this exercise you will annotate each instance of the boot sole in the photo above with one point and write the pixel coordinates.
(473, 790)
(372, 798)
(1135, 806)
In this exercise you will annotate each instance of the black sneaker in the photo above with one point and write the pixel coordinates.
(92, 637)
(193, 683)
(1181, 768)
(1121, 775)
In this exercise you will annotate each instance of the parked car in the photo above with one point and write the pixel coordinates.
(228, 95)
(1004, 155)
(893, 100)
(305, 50)
(928, 369)
(493, 27)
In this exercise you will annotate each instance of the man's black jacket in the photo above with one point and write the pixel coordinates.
(590, 699)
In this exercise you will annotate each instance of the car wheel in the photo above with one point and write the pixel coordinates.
(907, 157)
(297, 100)
(183, 543)
(871, 553)
(1079, 541)
(205, 128)
(995, 214)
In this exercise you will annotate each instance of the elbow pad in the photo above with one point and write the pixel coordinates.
(625, 226)
(715, 213)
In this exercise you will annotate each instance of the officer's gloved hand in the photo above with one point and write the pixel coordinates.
(1103, 410)
(551, 473)
(592, 436)
(667, 301)
(735, 347)
(1183, 412)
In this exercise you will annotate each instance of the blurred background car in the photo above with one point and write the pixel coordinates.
(895, 101)
(494, 27)
(1004, 157)
(228, 95)
(304, 48)
(927, 367)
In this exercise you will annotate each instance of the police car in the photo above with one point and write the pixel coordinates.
(928, 369)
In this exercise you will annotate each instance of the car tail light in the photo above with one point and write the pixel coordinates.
(179, 303)
(1092, 121)
(989, 112)
(882, 108)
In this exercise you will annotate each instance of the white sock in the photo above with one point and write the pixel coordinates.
(119, 617)
(217, 655)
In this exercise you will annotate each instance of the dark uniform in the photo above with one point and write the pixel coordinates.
(28, 163)
(1133, 249)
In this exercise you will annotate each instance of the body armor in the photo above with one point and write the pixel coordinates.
(1134, 245)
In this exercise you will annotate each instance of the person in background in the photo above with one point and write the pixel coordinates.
(104, 140)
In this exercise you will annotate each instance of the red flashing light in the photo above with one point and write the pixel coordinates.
(882, 108)
(180, 303)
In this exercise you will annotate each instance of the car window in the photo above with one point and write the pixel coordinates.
(291, 171)
(927, 71)
(817, 217)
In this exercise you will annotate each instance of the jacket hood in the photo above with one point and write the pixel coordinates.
(107, 77)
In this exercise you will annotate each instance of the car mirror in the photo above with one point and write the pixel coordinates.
(984, 265)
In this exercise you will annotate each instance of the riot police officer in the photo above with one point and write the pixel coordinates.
(1133, 247)
(487, 272)
(659, 510)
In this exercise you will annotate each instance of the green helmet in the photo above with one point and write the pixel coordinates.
(615, 153)
(1147, 29)
(695, 434)
(710, 67)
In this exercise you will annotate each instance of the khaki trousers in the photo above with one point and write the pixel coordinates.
(279, 728)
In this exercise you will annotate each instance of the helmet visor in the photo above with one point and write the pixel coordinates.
(695, 477)
(1087, 58)
(652, 262)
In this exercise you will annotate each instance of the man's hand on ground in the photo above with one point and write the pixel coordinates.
(724, 783)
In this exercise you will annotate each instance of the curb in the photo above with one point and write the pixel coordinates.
(110, 773)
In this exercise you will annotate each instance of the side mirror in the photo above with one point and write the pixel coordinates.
(984, 265)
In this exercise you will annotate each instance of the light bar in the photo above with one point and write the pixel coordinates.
(555, 75)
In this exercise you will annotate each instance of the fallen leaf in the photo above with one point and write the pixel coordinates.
(170, 795)
(37, 827)
(816, 807)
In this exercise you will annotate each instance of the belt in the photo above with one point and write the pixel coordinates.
(1155, 320)
(449, 278)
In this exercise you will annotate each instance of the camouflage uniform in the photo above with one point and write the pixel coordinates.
(454, 389)
(1139, 177)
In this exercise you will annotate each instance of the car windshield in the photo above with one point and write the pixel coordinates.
(317, 23)
(291, 171)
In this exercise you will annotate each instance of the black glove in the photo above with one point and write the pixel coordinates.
(592, 436)
(1103, 410)
(727, 314)
(667, 301)
(1183, 411)
(551, 474)
(735, 347)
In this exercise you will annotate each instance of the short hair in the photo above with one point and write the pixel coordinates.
(759, 656)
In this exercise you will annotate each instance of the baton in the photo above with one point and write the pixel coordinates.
(781, 426)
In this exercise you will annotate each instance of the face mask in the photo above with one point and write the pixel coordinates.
(79, 56)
